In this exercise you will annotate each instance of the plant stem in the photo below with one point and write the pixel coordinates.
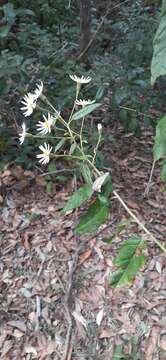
(93, 167)
(96, 148)
(142, 226)
(136, 111)
(81, 131)
(76, 97)
(66, 155)
(150, 179)
(59, 117)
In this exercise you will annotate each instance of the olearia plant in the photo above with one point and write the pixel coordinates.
(98, 185)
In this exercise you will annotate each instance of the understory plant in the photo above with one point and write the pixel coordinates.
(97, 190)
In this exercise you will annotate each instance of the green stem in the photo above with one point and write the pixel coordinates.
(96, 148)
(42, 137)
(59, 117)
(136, 111)
(76, 97)
(66, 155)
(81, 131)
(150, 179)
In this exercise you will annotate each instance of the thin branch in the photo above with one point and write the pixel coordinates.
(150, 179)
(142, 226)
(136, 111)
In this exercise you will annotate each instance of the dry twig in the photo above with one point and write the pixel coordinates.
(67, 301)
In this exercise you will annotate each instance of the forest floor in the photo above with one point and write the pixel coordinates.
(55, 300)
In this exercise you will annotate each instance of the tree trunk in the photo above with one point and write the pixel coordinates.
(85, 22)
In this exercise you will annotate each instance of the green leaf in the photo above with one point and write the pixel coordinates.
(159, 148)
(128, 262)
(100, 93)
(72, 148)
(24, 12)
(126, 277)
(85, 111)
(79, 197)
(115, 277)
(59, 145)
(86, 173)
(118, 353)
(96, 215)
(158, 65)
(107, 187)
(5, 31)
(163, 171)
(126, 252)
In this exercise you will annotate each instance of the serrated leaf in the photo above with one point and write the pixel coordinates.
(85, 111)
(159, 148)
(128, 262)
(127, 250)
(79, 197)
(127, 275)
(96, 215)
(158, 65)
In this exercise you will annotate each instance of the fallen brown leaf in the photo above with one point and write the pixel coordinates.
(18, 324)
(83, 257)
(8, 344)
(40, 181)
(105, 333)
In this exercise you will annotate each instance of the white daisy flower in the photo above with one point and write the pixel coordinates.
(29, 102)
(45, 156)
(84, 102)
(22, 134)
(44, 127)
(38, 90)
(80, 80)
(99, 127)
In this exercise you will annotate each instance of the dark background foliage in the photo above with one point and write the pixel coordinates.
(41, 40)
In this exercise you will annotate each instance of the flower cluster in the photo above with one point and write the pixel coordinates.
(45, 126)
